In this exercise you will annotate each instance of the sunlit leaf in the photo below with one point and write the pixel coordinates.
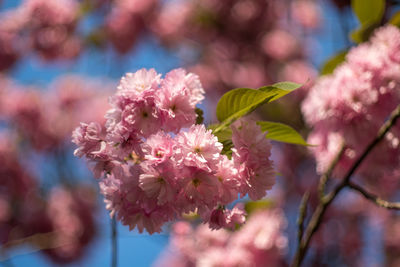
(363, 33)
(223, 135)
(242, 101)
(253, 206)
(395, 19)
(330, 65)
(282, 133)
(368, 11)
(199, 117)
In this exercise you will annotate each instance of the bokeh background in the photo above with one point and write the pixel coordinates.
(60, 60)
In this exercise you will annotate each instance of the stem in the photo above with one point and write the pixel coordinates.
(302, 216)
(318, 214)
(375, 199)
(114, 243)
(324, 178)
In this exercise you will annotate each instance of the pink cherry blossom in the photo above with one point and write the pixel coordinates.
(88, 138)
(261, 240)
(158, 148)
(353, 102)
(158, 183)
(198, 147)
(134, 86)
(279, 44)
(189, 83)
(142, 117)
(156, 164)
(251, 157)
(224, 218)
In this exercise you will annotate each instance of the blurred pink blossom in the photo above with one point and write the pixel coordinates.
(259, 242)
(355, 100)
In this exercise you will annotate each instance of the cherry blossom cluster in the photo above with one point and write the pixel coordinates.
(53, 213)
(70, 220)
(127, 21)
(52, 29)
(45, 118)
(242, 43)
(156, 163)
(350, 105)
(261, 240)
(60, 224)
(46, 27)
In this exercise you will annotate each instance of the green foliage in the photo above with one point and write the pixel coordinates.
(199, 117)
(288, 86)
(369, 13)
(333, 62)
(363, 33)
(253, 206)
(225, 137)
(85, 7)
(239, 102)
(227, 148)
(242, 101)
(282, 133)
(395, 19)
(96, 38)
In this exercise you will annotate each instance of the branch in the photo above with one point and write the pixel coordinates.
(114, 243)
(324, 178)
(302, 216)
(318, 214)
(375, 199)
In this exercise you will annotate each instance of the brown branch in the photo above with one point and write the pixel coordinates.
(324, 178)
(374, 198)
(302, 216)
(41, 241)
(318, 214)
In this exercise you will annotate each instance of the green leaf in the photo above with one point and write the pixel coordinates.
(242, 101)
(279, 90)
(223, 135)
(227, 148)
(239, 102)
(368, 11)
(330, 65)
(363, 33)
(287, 86)
(96, 38)
(395, 19)
(199, 117)
(253, 206)
(282, 133)
(85, 7)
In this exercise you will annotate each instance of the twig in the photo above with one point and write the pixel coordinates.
(324, 178)
(377, 200)
(318, 214)
(302, 216)
(114, 243)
